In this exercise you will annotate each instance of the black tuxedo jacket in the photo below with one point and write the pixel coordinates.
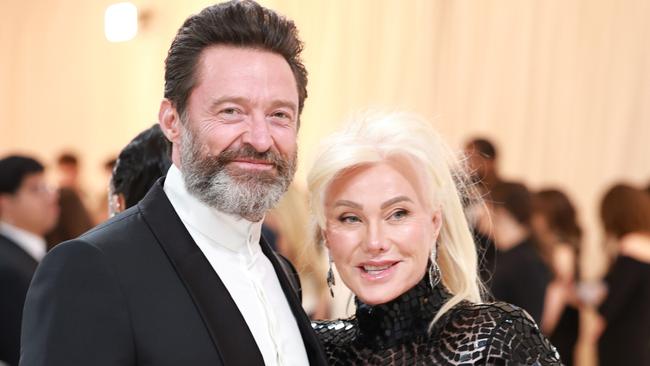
(137, 290)
(16, 271)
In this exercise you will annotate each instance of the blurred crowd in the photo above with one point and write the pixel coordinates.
(530, 244)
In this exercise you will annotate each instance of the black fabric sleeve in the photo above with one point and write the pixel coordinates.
(518, 340)
(621, 281)
(75, 312)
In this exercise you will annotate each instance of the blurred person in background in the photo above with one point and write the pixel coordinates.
(68, 168)
(142, 161)
(554, 223)
(289, 220)
(75, 218)
(521, 275)
(482, 165)
(27, 211)
(625, 309)
(101, 212)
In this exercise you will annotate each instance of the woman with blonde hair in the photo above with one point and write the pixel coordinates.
(388, 202)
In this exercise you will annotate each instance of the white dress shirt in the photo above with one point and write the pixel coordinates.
(231, 245)
(31, 243)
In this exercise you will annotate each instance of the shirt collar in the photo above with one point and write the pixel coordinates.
(31, 243)
(232, 232)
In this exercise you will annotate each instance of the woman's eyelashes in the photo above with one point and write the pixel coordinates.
(398, 214)
(349, 219)
(394, 215)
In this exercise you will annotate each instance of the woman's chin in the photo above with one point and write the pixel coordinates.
(377, 295)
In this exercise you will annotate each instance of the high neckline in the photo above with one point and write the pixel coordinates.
(403, 319)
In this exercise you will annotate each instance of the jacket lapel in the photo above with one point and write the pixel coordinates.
(313, 346)
(222, 318)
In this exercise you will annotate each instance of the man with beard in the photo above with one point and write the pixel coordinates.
(183, 277)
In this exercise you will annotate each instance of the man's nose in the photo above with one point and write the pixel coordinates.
(258, 134)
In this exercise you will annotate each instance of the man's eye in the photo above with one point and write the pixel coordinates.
(230, 111)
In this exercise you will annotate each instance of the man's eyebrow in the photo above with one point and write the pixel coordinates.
(395, 200)
(348, 204)
(227, 98)
(242, 100)
(284, 103)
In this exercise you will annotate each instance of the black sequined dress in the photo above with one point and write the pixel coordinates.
(396, 333)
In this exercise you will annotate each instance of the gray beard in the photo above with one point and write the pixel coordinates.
(248, 194)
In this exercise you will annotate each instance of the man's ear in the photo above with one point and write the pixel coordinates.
(170, 121)
(121, 201)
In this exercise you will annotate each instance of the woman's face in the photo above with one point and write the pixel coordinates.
(379, 230)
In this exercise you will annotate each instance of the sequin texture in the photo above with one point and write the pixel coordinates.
(397, 333)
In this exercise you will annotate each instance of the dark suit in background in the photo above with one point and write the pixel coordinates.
(143, 293)
(16, 271)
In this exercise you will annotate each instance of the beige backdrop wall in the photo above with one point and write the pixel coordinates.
(561, 86)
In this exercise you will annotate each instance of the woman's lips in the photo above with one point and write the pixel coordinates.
(376, 271)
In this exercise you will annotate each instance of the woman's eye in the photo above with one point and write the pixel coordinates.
(350, 219)
(399, 214)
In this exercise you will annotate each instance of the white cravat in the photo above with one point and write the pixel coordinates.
(231, 245)
(31, 243)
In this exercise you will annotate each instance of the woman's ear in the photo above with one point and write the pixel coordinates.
(437, 222)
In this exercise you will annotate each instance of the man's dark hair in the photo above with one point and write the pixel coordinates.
(142, 161)
(14, 169)
(514, 198)
(484, 147)
(68, 158)
(235, 23)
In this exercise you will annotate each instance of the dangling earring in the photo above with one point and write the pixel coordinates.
(330, 278)
(434, 274)
(434, 270)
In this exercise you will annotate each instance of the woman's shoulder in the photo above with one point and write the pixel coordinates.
(500, 332)
(490, 312)
(636, 246)
(336, 332)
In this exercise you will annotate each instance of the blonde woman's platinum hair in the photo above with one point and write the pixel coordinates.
(374, 137)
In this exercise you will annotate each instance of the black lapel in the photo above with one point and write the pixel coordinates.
(313, 346)
(222, 318)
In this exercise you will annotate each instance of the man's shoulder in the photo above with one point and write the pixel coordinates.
(122, 234)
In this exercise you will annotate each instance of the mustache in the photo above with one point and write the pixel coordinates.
(249, 152)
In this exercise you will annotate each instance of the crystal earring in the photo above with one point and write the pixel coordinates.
(434, 270)
(330, 278)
